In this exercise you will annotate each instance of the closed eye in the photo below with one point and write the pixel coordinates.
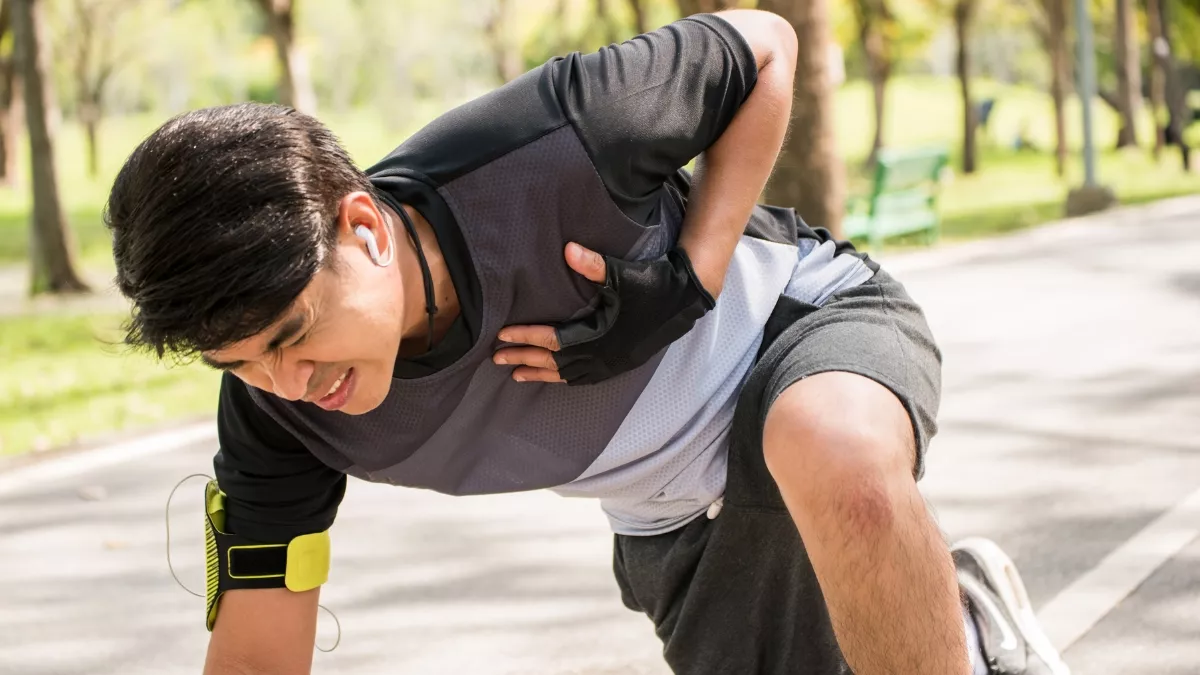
(277, 352)
(302, 339)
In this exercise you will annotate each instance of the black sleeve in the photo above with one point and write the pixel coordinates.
(648, 106)
(276, 489)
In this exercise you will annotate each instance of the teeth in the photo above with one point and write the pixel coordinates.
(337, 384)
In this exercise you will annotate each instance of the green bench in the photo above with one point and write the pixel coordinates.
(903, 197)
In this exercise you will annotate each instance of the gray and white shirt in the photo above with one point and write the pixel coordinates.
(587, 148)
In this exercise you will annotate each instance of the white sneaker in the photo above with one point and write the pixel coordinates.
(982, 560)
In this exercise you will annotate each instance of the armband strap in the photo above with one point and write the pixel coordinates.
(233, 562)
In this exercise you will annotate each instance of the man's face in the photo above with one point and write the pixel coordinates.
(336, 345)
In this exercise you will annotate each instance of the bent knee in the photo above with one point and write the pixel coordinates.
(840, 444)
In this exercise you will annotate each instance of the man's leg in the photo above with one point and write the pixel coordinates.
(841, 448)
(736, 595)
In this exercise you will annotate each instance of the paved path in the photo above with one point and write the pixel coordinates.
(1070, 434)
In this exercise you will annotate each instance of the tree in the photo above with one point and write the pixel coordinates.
(505, 54)
(964, 15)
(93, 60)
(10, 103)
(1052, 28)
(1157, 74)
(875, 24)
(639, 16)
(1169, 86)
(809, 175)
(295, 85)
(1129, 73)
(52, 263)
(690, 7)
(612, 32)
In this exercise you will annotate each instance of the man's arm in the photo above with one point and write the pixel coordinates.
(275, 490)
(714, 86)
(732, 173)
(268, 631)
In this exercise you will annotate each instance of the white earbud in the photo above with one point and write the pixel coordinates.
(364, 233)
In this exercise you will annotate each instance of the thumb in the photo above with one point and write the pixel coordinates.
(586, 262)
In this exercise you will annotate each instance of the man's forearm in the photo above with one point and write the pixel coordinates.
(264, 632)
(732, 173)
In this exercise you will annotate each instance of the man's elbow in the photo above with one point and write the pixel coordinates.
(785, 44)
(770, 36)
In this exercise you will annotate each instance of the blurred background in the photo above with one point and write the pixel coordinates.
(899, 75)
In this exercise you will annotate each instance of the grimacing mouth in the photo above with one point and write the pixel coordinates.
(312, 397)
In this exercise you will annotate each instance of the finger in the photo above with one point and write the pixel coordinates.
(586, 262)
(526, 356)
(538, 336)
(527, 374)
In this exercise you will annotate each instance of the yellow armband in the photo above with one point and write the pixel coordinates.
(234, 562)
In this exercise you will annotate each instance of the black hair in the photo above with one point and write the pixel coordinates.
(220, 219)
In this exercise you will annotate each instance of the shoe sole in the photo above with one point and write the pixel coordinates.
(1001, 574)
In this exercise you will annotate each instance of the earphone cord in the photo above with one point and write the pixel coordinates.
(426, 276)
(171, 567)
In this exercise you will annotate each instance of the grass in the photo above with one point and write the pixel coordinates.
(64, 378)
(1014, 192)
(1011, 190)
(62, 382)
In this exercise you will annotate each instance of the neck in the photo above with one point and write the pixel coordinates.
(415, 335)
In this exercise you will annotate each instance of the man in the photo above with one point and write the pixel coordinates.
(531, 293)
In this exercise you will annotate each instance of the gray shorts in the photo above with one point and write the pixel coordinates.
(738, 594)
(875, 330)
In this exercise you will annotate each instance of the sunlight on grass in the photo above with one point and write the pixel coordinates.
(64, 379)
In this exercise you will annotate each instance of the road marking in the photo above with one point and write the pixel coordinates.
(1080, 606)
(75, 464)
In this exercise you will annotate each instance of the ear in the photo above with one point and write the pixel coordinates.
(358, 209)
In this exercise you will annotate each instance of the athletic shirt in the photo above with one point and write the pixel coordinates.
(586, 148)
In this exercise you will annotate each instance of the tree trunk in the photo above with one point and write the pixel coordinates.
(91, 128)
(7, 148)
(611, 34)
(504, 56)
(1129, 73)
(690, 7)
(1060, 74)
(8, 123)
(1179, 115)
(562, 40)
(295, 84)
(12, 109)
(809, 175)
(1157, 73)
(872, 17)
(879, 90)
(639, 16)
(52, 261)
(964, 13)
